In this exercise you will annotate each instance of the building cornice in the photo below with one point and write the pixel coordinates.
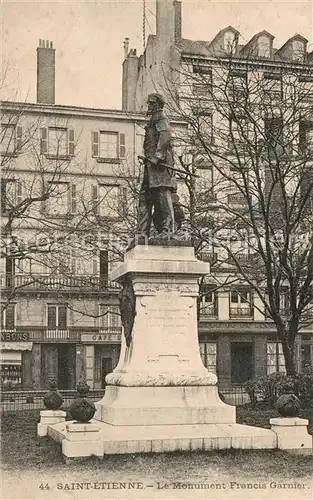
(59, 110)
(234, 327)
(274, 65)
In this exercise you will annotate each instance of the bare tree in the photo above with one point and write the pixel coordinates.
(251, 141)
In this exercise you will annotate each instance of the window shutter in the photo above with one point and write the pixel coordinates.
(122, 146)
(122, 208)
(3, 196)
(95, 266)
(115, 316)
(10, 316)
(71, 145)
(73, 199)
(43, 141)
(73, 263)
(95, 144)
(18, 143)
(105, 317)
(19, 193)
(52, 316)
(62, 317)
(94, 198)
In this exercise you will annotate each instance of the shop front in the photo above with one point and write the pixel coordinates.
(11, 356)
(102, 352)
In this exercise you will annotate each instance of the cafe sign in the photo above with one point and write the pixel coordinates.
(101, 338)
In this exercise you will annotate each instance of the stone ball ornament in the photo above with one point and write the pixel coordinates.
(82, 409)
(82, 388)
(288, 405)
(53, 400)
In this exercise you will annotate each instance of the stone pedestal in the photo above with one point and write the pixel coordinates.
(292, 435)
(160, 378)
(160, 397)
(49, 417)
(82, 440)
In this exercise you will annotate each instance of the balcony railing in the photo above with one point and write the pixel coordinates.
(236, 199)
(241, 312)
(249, 259)
(208, 257)
(41, 282)
(208, 311)
(42, 334)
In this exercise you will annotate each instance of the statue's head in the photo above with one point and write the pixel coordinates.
(155, 103)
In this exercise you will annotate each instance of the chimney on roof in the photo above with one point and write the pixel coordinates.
(177, 19)
(168, 20)
(126, 47)
(45, 72)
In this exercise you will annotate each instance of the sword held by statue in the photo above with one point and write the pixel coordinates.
(144, 158)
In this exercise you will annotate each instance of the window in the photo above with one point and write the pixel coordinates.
(109, 200)
(298, 50)
(240, 304)
(229, 42)
(272, 87)
(239, 250)
(236, 199)
(204, 185)
(208, 303)
(205, 181)
(200, 89)
(58, 203)
(284, 303)
(104, 266)
(264, 46)
(108, 145)
(238, 133)
(275, 358)
(237, 86)
(273, 130)
(203, 125)
(109, 316)
(57, 316)
(11, 194)
(306, 356)
(306, 136)
(57, 142)
(11, 372)
(11, 139)
(112, 200)
(206, 127)
(8, 317)
(208, 355)
(306, 88)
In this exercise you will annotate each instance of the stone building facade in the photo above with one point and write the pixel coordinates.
(233, 326)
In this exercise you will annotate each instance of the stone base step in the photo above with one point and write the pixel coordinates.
(159, 438)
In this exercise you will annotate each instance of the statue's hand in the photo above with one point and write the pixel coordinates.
(154, 160)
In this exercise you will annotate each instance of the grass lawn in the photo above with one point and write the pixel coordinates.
(23, 451)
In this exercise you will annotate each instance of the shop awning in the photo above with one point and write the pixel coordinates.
(16, 346)
(11, 357)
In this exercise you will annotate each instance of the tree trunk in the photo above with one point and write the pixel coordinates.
(288, 351)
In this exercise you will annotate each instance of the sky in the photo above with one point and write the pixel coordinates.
(88, 37)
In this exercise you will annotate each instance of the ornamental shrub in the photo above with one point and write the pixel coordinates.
(267, 388)
(304, 386)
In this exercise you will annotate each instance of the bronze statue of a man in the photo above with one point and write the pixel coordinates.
(158, 181)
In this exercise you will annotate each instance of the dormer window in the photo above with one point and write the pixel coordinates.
(298, 50)
(229, 42)
(263, 46)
